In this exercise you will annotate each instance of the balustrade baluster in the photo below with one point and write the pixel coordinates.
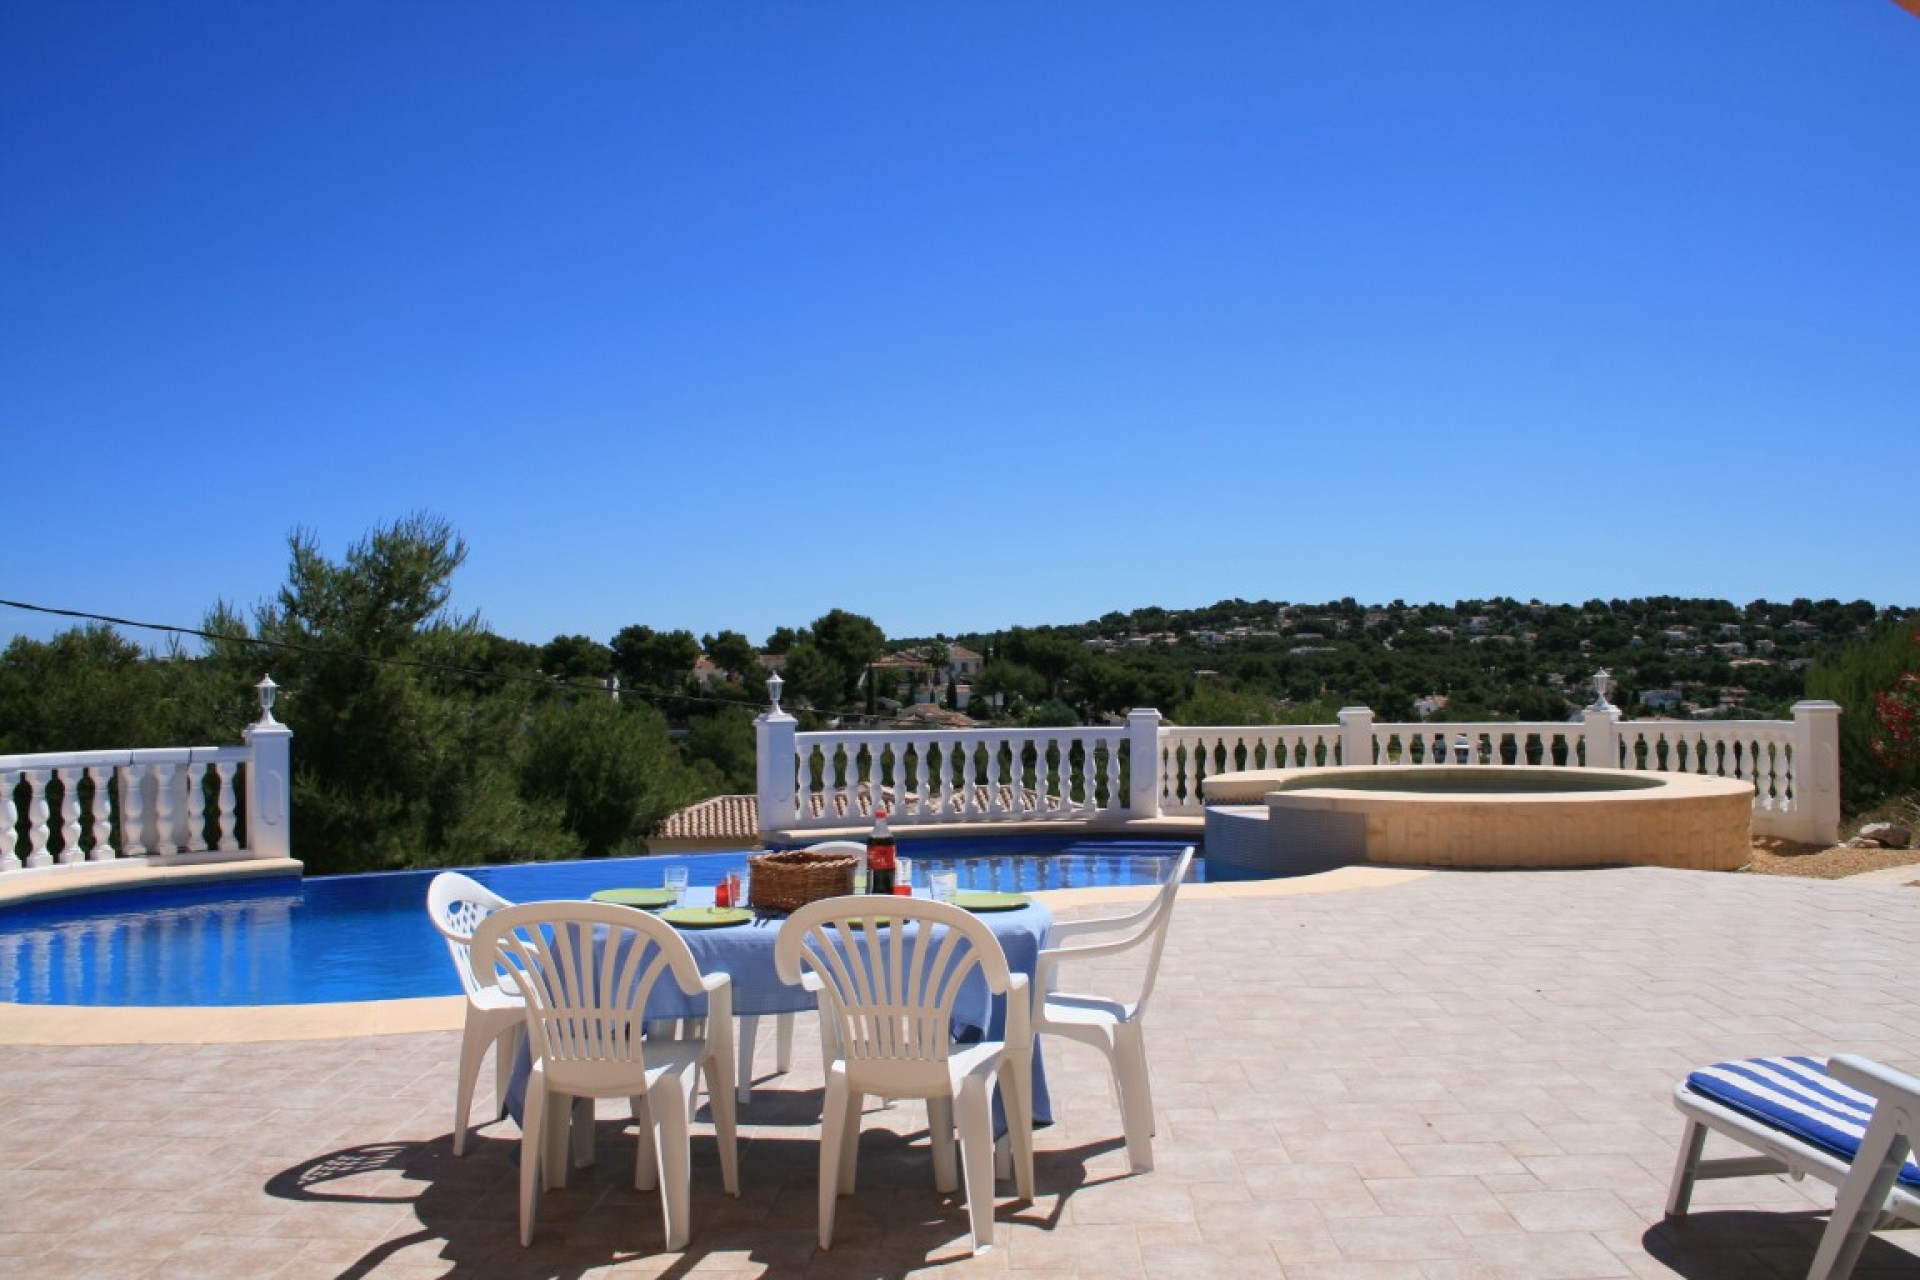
(1045, 775)
(914, 783)
(38, 812)
(1078, 762)
(196, 808)
(968, 781)
(70, 813)
(986, 770)
(164, 805)
(935, 781)
(1067, 776)
(102, 779)
(228, 843)
(133, 810)
(1115, 797)
(10, 814)
(953, 779)
(838, 784)
(943, 773)
(929, 781)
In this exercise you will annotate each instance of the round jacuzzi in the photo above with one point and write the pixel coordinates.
(1293, 821)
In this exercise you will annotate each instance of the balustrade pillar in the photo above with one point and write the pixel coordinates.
(1143, 763)
(269, 780)
(1816, 772)
(776, 744)
(1600, 733)
(1356, 735)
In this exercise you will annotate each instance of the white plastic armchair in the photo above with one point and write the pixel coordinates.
(888, 972)
(457, 904)
(1112, 1026)
(586, 970)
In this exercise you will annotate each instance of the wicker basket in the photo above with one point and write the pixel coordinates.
(786, 881)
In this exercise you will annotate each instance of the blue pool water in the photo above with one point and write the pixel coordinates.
(366, 937)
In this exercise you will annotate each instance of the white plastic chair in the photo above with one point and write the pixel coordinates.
(888, 986)
(1112, 1026)
(1846, 1101)
(495, 1015)
(586, 970)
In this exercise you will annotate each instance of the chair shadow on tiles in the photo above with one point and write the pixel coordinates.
(466, 1208)
(1712, 1244)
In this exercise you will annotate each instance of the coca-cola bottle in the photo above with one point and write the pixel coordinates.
(881, 855)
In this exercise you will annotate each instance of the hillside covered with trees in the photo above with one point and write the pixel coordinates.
(423, 738)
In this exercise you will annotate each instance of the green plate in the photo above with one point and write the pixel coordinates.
(636, 897)
(982, 900)
(706, 917)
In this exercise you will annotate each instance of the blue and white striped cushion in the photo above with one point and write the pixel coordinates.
(1796, 1096)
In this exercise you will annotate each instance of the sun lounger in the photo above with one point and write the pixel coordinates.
(1848, 1122)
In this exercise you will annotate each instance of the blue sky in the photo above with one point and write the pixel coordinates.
(960, 316)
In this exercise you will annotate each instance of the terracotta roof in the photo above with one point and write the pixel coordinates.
(924, 715)
(720, 818)
(858, 802)
(738, 817)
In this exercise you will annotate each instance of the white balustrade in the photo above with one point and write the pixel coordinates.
(114, 805)
(923, 776)
(1189, 756)
(150, 804)
(1148, 769)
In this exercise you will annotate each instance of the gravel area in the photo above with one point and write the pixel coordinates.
(1780, 858)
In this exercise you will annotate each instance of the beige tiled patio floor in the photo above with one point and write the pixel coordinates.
(1460, 1075)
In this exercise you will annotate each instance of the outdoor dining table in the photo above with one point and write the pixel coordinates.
(745, 952)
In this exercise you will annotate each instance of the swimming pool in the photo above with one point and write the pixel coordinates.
(366, 937)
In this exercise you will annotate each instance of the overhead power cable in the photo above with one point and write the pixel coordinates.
(417, 664)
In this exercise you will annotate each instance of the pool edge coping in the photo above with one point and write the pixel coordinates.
(83, 1025)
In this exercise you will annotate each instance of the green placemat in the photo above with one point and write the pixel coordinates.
(636, 897)
(706, 917)
(982, 900)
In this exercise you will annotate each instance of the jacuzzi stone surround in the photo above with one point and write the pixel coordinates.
(1311, 822)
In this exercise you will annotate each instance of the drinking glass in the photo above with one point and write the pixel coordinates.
(943, 885)
(860, 881)
(903, 878)
(674, 878)
(742, 888)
